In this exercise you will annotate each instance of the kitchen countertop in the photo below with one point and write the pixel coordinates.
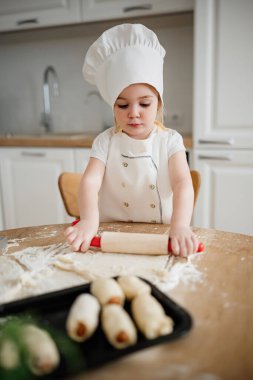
(64, 140)
(68, 140)
(219, 346)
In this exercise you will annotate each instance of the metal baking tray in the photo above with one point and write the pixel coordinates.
(52, 309)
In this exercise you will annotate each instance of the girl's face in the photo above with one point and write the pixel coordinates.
(135, 110)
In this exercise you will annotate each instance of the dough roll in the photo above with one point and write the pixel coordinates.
(118, 326)
(9, 354)
(138, 243)
(83, 317)
(132, 286)
(150, 317)
(43, 355)
(107, 291)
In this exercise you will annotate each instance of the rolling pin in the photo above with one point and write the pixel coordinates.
(131, 242)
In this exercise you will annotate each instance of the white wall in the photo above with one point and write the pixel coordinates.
(24, 57)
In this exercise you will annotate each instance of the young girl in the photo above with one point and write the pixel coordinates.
(138, 170)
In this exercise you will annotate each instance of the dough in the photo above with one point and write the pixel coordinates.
(83, 317)
(10, 279)
(118, 326)
(150, 317)
(43, 355)
(107, 291)
(9, 354)
(132, 286)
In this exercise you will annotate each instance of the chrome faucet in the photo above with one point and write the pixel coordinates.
(46, 116)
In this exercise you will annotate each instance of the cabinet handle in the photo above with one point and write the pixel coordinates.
(220, 158)
(230, 141)
(137, 8)
(28, 21)
(33, 154)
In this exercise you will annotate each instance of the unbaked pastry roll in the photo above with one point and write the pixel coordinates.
(132, 286)
(118, 326)
(150, 317)
(107, 291)
(83, 317)
(9, 354)
(43, 355)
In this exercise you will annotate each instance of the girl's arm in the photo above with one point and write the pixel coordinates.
(81, 234)
(183, 240)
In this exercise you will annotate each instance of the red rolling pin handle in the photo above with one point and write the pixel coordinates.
(75, 222)
(96, 241)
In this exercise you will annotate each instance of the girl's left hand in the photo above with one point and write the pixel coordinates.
(183, 240)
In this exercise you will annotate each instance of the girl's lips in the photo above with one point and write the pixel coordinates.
(134, 125)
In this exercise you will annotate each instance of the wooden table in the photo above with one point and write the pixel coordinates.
(220, 344)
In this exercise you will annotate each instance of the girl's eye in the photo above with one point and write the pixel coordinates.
(123, 106)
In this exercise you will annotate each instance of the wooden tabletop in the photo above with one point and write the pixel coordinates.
(220, 344)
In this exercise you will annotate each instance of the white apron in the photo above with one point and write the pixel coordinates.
(136, 184)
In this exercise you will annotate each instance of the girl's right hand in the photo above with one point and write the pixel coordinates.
(79, 236)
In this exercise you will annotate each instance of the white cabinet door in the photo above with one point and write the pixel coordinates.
(29, 183)
(94, 10)
(223, 112)
(82, 157)
(225, 197)
(1, 210)
(25, 14)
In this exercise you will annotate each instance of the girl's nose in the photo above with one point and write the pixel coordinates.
(133, 111)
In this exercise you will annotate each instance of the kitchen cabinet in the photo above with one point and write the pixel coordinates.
(82, 157)
(223, 112)
(29, 185)
(1, 212)
(25, 14)
(95, 10)
(30, 14)
(225, 197)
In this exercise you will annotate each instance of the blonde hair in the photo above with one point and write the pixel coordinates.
(160, 109)
(160, 103)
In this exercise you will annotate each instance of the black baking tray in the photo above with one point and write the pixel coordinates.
(51, 311)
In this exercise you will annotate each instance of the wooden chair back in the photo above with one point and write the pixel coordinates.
(196, 182)
(69, 185)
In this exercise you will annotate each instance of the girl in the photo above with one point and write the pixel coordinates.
(138, 170)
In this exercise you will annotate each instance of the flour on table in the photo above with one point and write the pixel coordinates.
(12, 243)
(37, 270)
(95, 264)
(10, 274)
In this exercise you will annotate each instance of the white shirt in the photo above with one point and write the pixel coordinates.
(136, 185)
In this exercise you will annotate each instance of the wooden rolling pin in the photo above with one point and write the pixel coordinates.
(137, 243)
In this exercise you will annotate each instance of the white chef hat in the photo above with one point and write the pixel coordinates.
(124, 55)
